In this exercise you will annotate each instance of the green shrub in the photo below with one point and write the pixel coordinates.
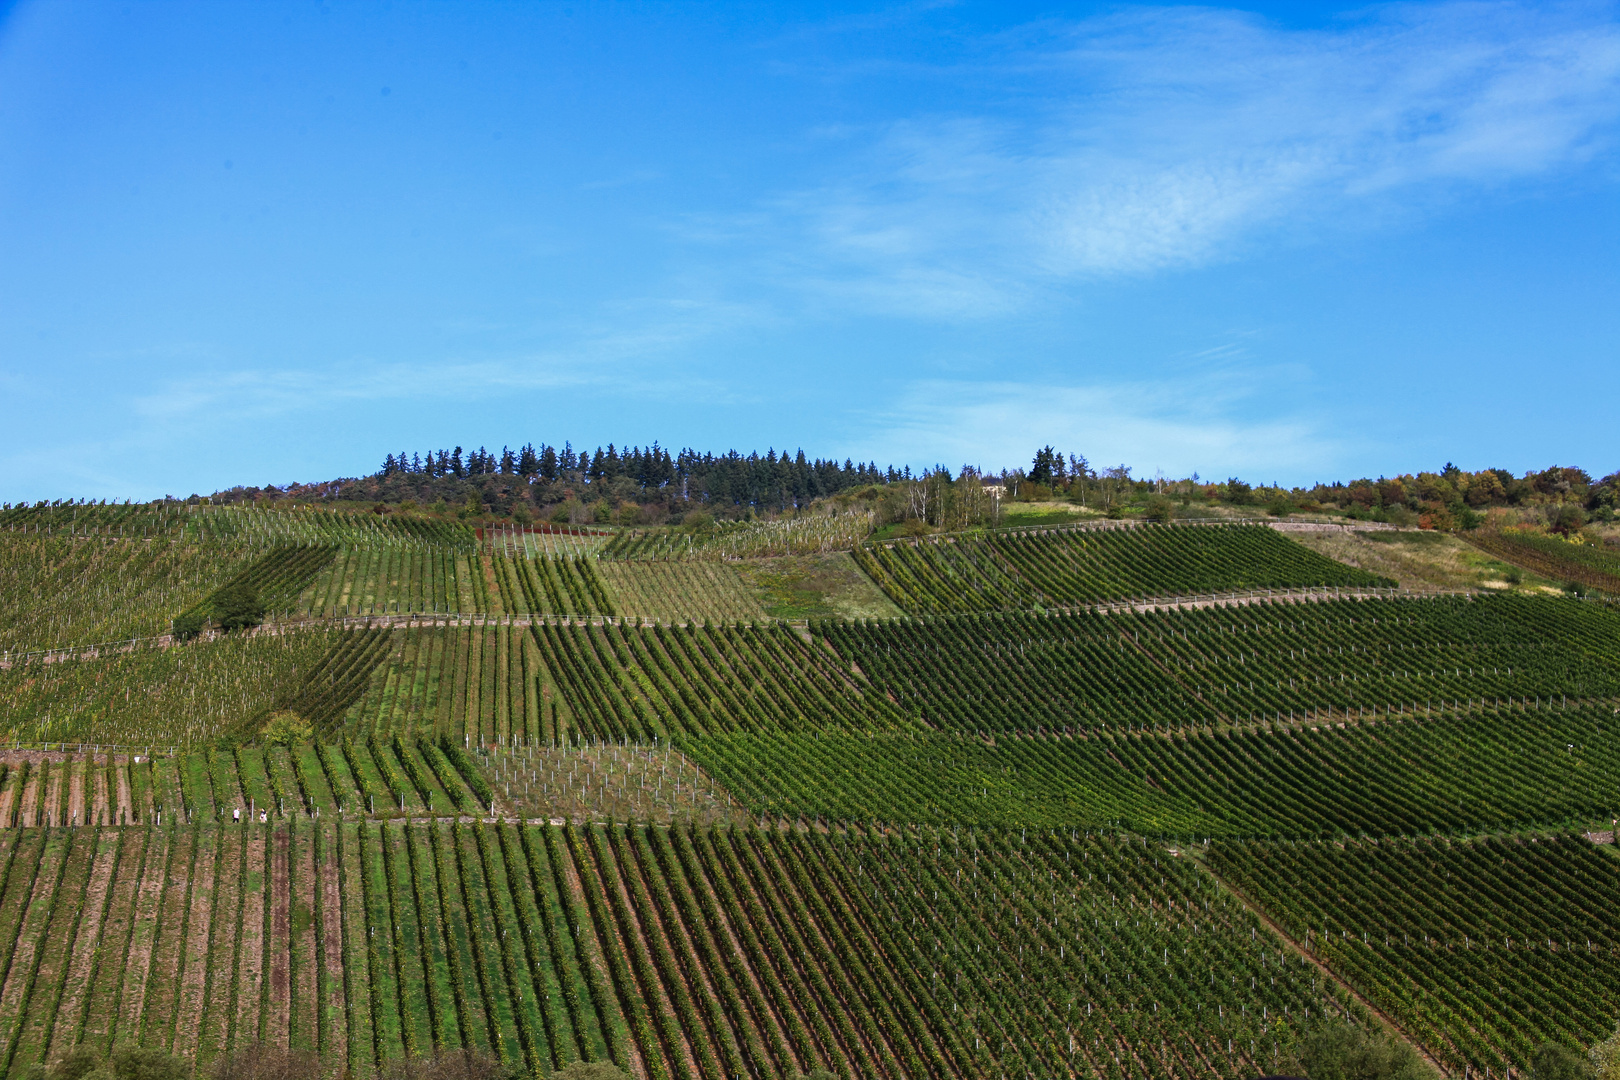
(1339, 1050)
(189, 625)
(146, 1063)
(237, 608)
(591, 1070)
(1555, 1061)
(287, 728)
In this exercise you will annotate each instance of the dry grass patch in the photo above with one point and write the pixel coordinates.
(1419, 560)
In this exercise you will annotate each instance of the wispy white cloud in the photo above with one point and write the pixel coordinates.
(622, 347)
(1157, 139)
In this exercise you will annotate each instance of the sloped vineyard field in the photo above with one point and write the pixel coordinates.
(161, 696)
(1483, 948)
(1234, 664)
(59, 592)
(562, 794)
(1584, 564)
(670, 591)
(364, 942)
(926, 953)
(1496, 770)
(1064, 568)
(565, 587)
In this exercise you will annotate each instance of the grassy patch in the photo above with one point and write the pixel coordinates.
(1023, 515)
(1431, 560)
(815, 586)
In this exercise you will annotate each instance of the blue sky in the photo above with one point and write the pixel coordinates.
(252, 243)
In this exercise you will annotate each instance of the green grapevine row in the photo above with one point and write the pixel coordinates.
(1483, 948)
(673, 592)
(639, 684)
(1499, 769)
(546, 586)
(238, 525)
(927, 953)
(806, 534)
(405, 938)
(1584, 564)
(1001, 572)
(1234, 664)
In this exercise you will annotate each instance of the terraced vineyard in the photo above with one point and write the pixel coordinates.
(58, 592)
(1467, 774)
(1063, 568)
(546, 541)
(671, 592)
(1584, 564)
(395, 580)
(805, 534)
(84, 784)
(932, 954)
(459, 793)
(170, 697)
(365, 942)
(640, 684)
(585, 781)
(567, 587)
(1234, 665)
(236, 526)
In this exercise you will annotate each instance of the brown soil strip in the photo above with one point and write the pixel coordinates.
(334, 1006)
(199, 937)
(111, 965)
(76, 799)
(50, 811)
(305, 1001)
(658, 998)
(168, 954)
(30, 935)
(605, 937)
(30, 800)
(249, 980)
(8, 802)
(278, 948)
(572, 895)
(213, 1015)
(95, 791)
(126, 801)
(1283, 935)
(92, 924)
(60, 914)
(139, 957)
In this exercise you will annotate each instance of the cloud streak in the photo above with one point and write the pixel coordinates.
(1164, 139)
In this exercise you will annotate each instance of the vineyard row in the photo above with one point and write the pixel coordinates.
(682, 953)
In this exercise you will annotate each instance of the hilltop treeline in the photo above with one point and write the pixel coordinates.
(634, 485)
(705, 477)
(651, 485)
(1447, 499)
